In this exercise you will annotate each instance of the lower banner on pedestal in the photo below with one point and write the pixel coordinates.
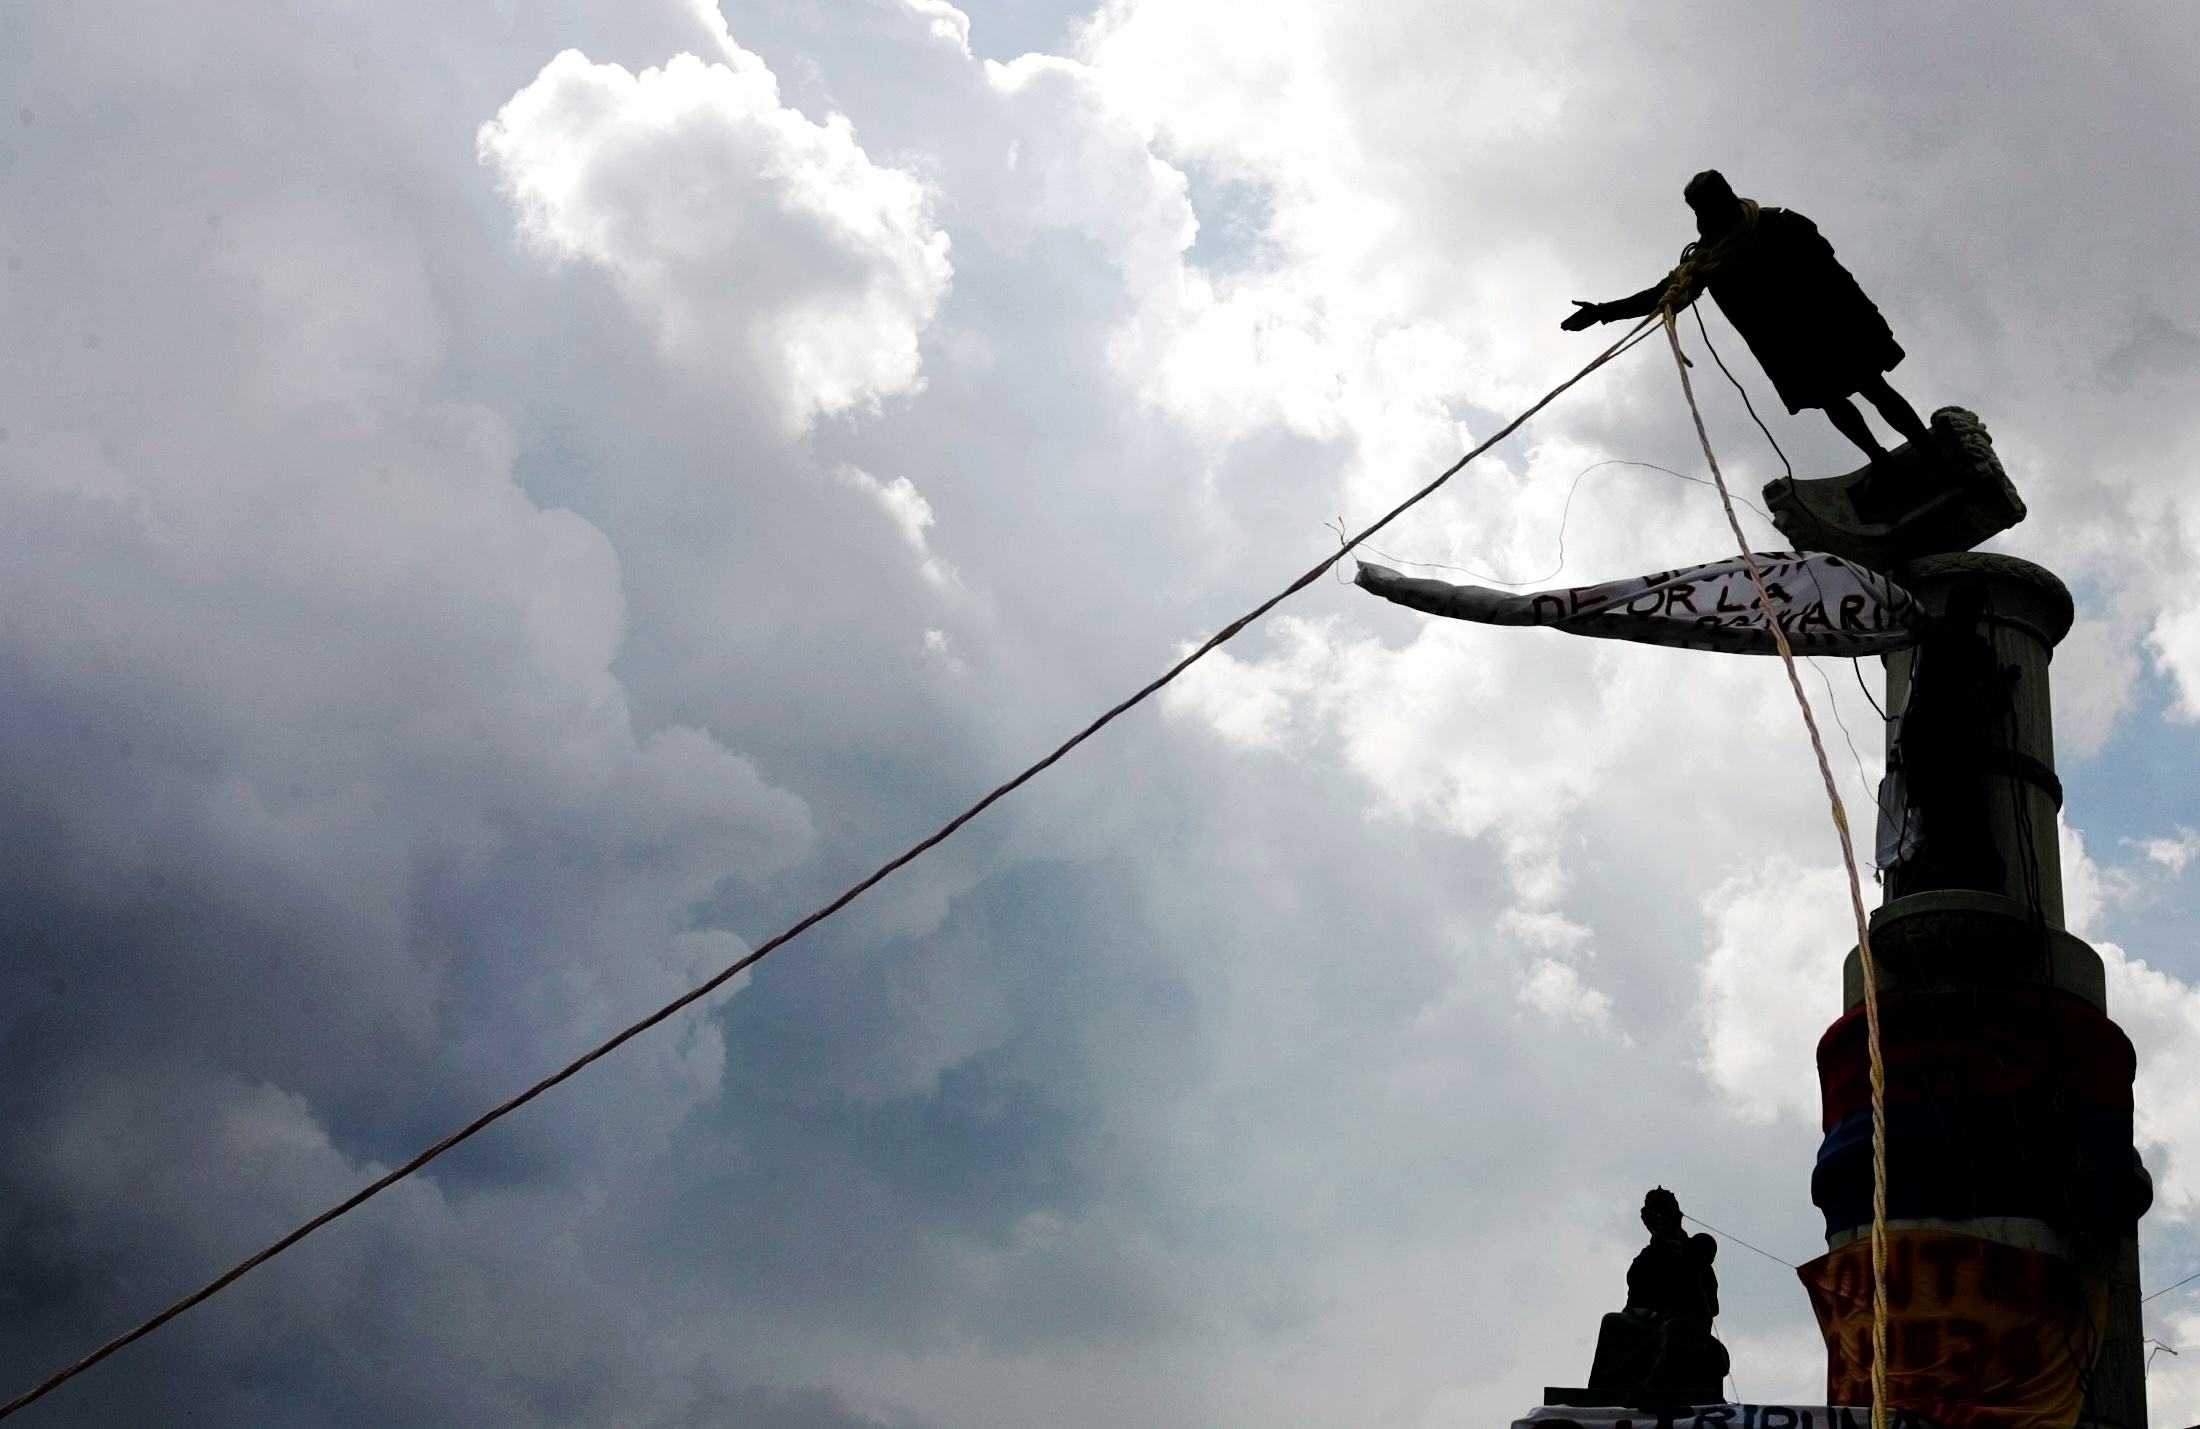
(1980, 1335)
(1718, 1416)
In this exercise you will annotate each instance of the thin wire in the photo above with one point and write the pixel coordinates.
(1863, 780)
(1737, 1240)
(1818, 525)
(1750, 406)
(503, 1109)
(1858, 666)
(1564, 512)
(1705, 1296)
(2167, 1288)
(1856, 896)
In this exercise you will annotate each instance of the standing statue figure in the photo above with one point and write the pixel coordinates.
(1814, 332)
(1663, 1339)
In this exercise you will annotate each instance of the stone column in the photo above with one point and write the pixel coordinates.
(2007, 1146)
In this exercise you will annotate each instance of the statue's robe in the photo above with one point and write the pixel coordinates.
(1815, 333)
(1663, 1338)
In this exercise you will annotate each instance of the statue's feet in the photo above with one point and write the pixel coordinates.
(1879, 496)
(1945, 495)
(1899, 482)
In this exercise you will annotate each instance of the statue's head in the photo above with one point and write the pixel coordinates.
(1661, 1211)
(1717, 207)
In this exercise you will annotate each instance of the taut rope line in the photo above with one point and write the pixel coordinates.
(1856, 895)
(702, 990)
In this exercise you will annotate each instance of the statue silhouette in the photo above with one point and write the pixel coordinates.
(1663, 1339)
(1816, 335)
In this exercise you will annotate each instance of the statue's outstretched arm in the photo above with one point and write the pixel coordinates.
(1640, 305)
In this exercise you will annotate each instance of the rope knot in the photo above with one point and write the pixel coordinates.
(1699, 261)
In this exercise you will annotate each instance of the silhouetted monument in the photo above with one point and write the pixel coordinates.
(1815, 333)
(1978, 1154)
(1660, 1349)
(1823, 342)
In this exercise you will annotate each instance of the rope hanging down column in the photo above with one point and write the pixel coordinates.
(702, 990)
(1856, 893)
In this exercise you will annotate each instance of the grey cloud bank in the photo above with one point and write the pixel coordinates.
(504, 506)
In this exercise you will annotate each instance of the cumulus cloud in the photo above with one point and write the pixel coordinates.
(759, 245)
(1306, 337)
(2172, 853)
(912, 517)
(2175, 643)
(1765, 994)
(2162, 1014)
(944, 22)
(1555, 989)
(1253, 703)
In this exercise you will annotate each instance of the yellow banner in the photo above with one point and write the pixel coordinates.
(1980, 1335)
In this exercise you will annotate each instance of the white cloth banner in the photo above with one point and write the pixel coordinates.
(1719, 1416)
(1826, 605)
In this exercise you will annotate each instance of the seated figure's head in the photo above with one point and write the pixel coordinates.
(1718, 210)
(1661, 1211)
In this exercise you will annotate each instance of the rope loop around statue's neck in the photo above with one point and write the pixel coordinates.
(1699, 261)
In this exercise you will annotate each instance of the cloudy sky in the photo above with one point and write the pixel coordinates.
(504, 504)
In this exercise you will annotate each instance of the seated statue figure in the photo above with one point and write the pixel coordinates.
(1663, 1339)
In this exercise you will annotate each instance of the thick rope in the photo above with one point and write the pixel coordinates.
(1700, 260)
(1856, 901)
(503, 1109)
